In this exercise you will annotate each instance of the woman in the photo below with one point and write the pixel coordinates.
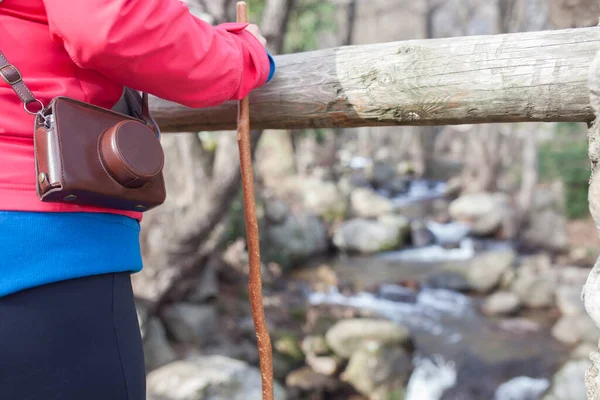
(68, 326)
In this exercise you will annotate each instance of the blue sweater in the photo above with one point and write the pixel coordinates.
(40, 248)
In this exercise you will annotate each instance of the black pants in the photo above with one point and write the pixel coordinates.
(72, 340)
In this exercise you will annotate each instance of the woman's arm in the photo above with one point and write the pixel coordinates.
(158, 47)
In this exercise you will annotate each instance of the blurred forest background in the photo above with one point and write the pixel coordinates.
(415, 263)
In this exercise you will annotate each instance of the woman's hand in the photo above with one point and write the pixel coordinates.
(255, 30)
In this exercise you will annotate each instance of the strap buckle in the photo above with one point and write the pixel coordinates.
(14, 74)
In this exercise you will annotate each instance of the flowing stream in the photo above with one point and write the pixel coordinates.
(460, 353)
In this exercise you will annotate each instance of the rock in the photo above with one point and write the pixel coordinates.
(396, 186)
(314, 345)
(485, 212)
(546, 225)
(283, 365)
(413, 210)
(367, 236)
(397, 222)
(366, 203)
(208, 287)
(322, 198)
(450, 280)
(568, 300)
(534, 292)
(583, 351)
(420, 234)
(470, 207)
(142, 316)
(573, 276)
(239, 349)
(378, 370)
(301, 236)
(546, 231)
(346, 336)
(501, 303)
(487, 224)
(381, 173)
(486, 269)
(276, 210)
(157, 350)
(325, 365)
(439, 210)
(574, 329)
(453, 187)
(288, 346)
(275, 158)
(188, 322)
(308, 380)
(536, 264)
(208, 378)
(567, 383)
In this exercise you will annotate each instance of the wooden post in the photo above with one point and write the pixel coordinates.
(520, 77)
(591, 289)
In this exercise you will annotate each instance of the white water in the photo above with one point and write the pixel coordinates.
(522, 388)
(420, 190)
(425, 314)
(434, 253)
(452, 232)
(430, 378)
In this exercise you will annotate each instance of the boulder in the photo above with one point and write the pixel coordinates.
(378, 371)
(276, 210)
(157, 350)
(486, 269)
(192, 323)
(501, 303)
(366, 203)
(315, 345)
(546, 226)
(346, 336)
(420, 234)
(449, 280)
(208, 378)
(567, 383)
(299, 237)
(371, 236)
(142, 316)
(568, 300)
(308, 380)
(486, 213)
(534, 291)
(322, 198)
(207, 288)
(325, 365)
(574, 329)
(381, 173)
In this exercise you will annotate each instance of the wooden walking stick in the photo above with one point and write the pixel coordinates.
(254, 283)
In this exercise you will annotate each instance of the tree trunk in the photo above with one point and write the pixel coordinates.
(202, 174)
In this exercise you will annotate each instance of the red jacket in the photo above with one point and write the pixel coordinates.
(90, 49)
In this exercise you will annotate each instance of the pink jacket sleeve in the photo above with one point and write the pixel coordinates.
(157, 46)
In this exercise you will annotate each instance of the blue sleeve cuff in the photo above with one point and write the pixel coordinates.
(272, 66)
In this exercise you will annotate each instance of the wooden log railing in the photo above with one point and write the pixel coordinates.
(519, 77)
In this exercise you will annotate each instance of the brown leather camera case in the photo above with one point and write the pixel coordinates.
(89, 155)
